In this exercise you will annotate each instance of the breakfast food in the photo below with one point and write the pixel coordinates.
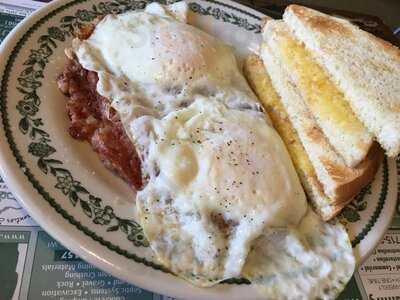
(212, 184)
(220, 197)
(334, 154)
(365, 68)
(324, 101)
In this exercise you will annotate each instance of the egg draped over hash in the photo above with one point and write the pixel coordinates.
(221, 198)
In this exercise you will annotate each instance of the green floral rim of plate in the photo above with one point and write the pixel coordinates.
(40, 147)
(378, 209)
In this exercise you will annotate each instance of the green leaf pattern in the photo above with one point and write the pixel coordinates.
(226, 17)
(351, 213)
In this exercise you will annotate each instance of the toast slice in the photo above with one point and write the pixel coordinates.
(255, 73)
(326, 103)
(324, 205)
(364, 67)
(339, 181)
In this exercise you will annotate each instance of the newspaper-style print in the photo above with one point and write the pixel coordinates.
(380, 274)
(11, 212)
(34, 266)
(57, 272)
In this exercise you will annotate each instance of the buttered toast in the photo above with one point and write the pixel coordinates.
(347, 183)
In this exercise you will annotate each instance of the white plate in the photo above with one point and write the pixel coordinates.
(62, 183)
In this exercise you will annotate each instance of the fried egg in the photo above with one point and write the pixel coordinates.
(223, 176)
(217, 175)
(157, 62)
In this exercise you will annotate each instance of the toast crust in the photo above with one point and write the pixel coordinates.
(351, 181)
(318, 22)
